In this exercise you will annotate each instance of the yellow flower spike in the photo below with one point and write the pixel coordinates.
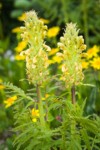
(10, 101)
(21, 46)
(44, 20)
(34, 32)
(52, 32)
(92, 52)
(53, 51)
(95, 63)
(16, 30)
(85, 64)
(19, 57)
(72, 46)
(2, 87)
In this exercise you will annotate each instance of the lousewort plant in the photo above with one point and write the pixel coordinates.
(45, 119)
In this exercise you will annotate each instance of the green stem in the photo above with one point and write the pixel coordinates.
(73, 94)
(40, 105)
(63, 137)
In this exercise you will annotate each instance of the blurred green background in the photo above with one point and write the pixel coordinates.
(86, 13)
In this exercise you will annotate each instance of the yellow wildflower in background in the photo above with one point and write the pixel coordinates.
(57, 59)
(21, 46)
(85, 65)
(34, 119)
(2, 87)
(10, 101)
(50, 61)
(22, 17)
(52, 32)
(44, 20)
(16, 30)
(53, 51)
(92, 51)
(35, 114)
(96, 63)
(46, 96)
(19, 57)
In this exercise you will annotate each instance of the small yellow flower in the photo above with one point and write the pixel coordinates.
(10, 101)
(85, 64)
(34, 119)
(44, 20)
(2, 87)
(35, 113)
(57, 59)
(22, 17)
(46, 96)
(53, 51)
(96, 63)
(52, 32)
(16, 30)
(92, 52)
(19, 57)
(21, 46)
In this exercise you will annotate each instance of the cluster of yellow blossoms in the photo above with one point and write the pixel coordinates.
(51, 32)
(72, 46)
(33, 33)
(37, 62)
(10, 101)
(92, 58)
(35, 114)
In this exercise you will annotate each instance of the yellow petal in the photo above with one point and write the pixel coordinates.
(34, 119)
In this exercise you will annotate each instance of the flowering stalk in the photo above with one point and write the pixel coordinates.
(72, 46)
(37, 62)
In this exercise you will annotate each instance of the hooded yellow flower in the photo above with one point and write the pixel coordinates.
(96, 63)
(52, 32)
(10, 101)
